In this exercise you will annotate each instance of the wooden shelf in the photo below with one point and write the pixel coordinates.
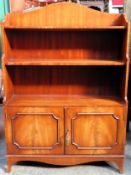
(62, 100)
(59, 62)
(66, 28)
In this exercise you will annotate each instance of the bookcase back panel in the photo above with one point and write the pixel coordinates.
(65, 44)
(66, 80)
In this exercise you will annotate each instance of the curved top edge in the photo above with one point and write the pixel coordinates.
(64, 4)
(64, 15)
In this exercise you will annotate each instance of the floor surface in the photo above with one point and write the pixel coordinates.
(44, 169)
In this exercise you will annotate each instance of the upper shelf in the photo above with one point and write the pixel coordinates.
(61, 62)
(65, 15)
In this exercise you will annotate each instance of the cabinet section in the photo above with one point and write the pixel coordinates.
(34, 130)
(94, 130)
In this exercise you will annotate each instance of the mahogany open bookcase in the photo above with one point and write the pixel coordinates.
(65, 70)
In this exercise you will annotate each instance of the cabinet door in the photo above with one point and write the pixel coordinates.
(94, 130)
(34, 130)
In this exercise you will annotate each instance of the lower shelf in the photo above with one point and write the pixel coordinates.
(62, 100)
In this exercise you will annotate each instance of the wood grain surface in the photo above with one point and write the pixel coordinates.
(65, 70)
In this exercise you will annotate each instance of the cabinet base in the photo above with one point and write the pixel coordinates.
(65, 160)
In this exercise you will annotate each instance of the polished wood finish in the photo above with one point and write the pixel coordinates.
(68, 62)
(61, 100)
(129, 85)
(59, 80)
(66, 160)
(95, 123)
(71, 14)
(52, 44)
(65, 70)
(35, 130)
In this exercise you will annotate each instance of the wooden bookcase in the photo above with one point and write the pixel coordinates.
(65, 70)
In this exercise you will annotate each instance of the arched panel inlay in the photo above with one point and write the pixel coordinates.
(38, 128)
(98, 133)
